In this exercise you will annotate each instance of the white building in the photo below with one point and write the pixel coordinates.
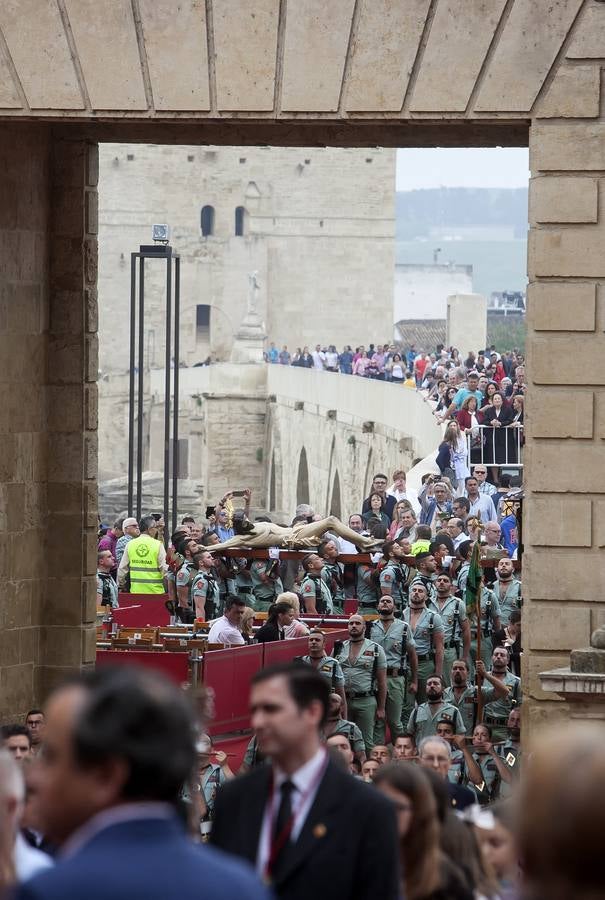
(421, 291)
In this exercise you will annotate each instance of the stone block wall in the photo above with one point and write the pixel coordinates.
(24, 250)
(67, 637)
(48, 412)
(564, 563)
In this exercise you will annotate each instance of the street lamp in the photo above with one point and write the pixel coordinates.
(161, 249)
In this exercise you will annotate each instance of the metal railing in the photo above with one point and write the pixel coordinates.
(498, 447)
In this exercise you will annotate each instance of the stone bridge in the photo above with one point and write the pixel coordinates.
(293, 435)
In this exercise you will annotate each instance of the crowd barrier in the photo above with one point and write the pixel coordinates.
(483, 447)
(174, 666)
(140, 610)
(225, 673)
(228, 672)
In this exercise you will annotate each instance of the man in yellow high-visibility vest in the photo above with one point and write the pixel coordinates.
(144, 560)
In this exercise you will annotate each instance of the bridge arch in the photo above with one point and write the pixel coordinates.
(335, 507)
(302, 480)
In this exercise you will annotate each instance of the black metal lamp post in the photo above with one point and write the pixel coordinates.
(159, 251)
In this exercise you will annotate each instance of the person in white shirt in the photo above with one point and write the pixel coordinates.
(455, 529)
(319, 358)
(28, 861)
(482, 505)
(485, 486)
(226, 630)
(400, 491)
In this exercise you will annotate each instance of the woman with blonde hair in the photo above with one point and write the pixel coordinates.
(427, 872)
(246, 625)
(297, 628)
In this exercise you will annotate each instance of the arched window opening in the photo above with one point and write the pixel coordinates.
(207, 221)
(240, 221)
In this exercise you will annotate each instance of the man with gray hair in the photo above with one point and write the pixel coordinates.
(28, 861)
(304, 510)
(435, 753)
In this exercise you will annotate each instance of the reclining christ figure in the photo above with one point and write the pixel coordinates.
(302, 536)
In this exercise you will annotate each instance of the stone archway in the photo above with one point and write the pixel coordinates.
(335, 508)
(302, 479)
(365, 73)
(272, 482)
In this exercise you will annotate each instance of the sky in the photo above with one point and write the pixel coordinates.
(493, 167)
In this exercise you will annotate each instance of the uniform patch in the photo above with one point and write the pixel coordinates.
(511, 759)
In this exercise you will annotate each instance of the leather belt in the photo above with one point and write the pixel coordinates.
(494, 720)
(423, 656)
(357, 695)
(393, 673)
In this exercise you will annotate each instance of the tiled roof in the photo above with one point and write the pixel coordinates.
(425, 334)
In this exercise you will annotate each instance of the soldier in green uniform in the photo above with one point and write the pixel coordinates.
(364, 666)
(186, 573)
(366, 588)
(336, 724)
(462, 694)
(490, 622)
(394, 575)
(314, 592)
(423, 720)
(426, 572)
(327, 666)
(507, 590)
(205, 593)
(427, 631)
(395, 638)
(333, 574)
(497, 709)
(490, 763)
(510, 753)
(463, 768)
(243, 581)
(266, 583)
(457, 629)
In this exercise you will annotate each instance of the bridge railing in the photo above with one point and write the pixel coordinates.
(496, 447)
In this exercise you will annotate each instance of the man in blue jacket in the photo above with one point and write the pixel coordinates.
(119, 744)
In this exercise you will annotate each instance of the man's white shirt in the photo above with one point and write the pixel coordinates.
(223, 632)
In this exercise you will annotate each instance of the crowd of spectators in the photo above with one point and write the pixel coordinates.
(107, 793)
(390, 362)
(422, 700)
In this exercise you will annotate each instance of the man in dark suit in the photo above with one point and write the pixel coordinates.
(311, 829)
(119, 744)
